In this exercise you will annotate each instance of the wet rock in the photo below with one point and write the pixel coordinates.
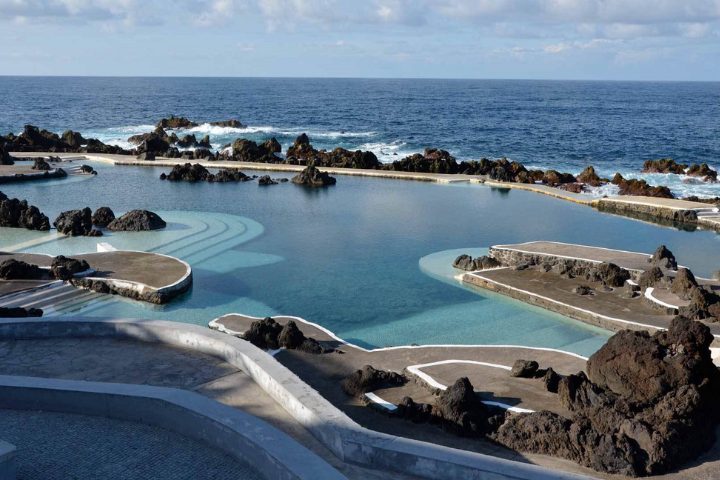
(146, 156)
(136, 221)
(41, 164)
(589, 177)
(17, 213)
(572, 187)
(432, 160)
(312, 177)
(73, 139)
(153, 144)
(93, 145)
(187, 173)
(244, 150)
(664, 258)
(464, 262)
(683, 283)
(368, 379)
(467, 263)
(640, 188)
(704, 171)
(88, 170)
(228, 123)
(229, 175)
(102, 217)
(187, 141)
(12, 269)
(64, 268)
(524, 368)
(176, 122)
(74, 222)
(266, 180)
(663, 165)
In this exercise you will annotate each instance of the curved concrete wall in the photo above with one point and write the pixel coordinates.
(271, 452)
(345, 438)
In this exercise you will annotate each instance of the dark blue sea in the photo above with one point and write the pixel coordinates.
(567, 125)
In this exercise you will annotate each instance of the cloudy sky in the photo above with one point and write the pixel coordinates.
(548, 39)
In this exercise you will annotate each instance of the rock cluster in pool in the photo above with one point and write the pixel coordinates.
(19, 214)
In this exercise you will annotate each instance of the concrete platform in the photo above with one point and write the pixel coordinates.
(139, 275)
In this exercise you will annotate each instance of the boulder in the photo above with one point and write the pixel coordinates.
(683, 283)
(609, 274)
(41, 164)
(88, 170)
(136, 221)
(651, 277)
(228, 123)
(703, 170)
(312, 177)
(229, 175)
(187, 173)
(583, 290)
(146, 156)
(368, 379)
(74, 222)
(264, 334)
(64, 268)
(266, 180)
(663, 258)
(461, 410)
(589, 177)
(73, 139)
(103, 216)
(524, 368)
(663, 165)
(704, 305)
(640, 188)
(685, 216)
(17, 213)
(176, 122)
(93, 145)
(154, 144)
(244, 150)
(12, 269)
(467, 263)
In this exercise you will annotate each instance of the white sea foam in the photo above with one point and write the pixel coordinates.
(387, 152)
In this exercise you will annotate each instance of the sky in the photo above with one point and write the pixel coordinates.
(534, 39)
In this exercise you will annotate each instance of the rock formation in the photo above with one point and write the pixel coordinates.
(664, 258)
(76, 223)
(103, 216)
(12, 269)
(228, 123)
(663, 165)
(368, 379)
(5, 158)
(41, 164)
(647, 404)
(19, 312)
(137, 221)
(17, 213)
(64, 268)
(312, 177)
(197, 173)
(175, 122)
(266, 180)
(301, 152)
(467, 263)
(640, 187)
(270, 335)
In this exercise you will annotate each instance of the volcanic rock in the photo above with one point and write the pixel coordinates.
(664, 258)
(589, 177)
(640, 187)
(12, 269)
(17, 213)
(368, 379)
(41, 164)
(524, 368)
(266, 180)
(651, 277)
(683, 283)
(74, 222)
(176, 122)
(663, 165)
(103, 216)
(64, 268)
(136, 221)
(703, 170)
(228, 123)
(312, 177)
(73, 139)
(20, 312)
(5, 158)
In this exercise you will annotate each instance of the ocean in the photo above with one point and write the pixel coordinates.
(565, 125)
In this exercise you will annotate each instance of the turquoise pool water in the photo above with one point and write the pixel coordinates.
(368, 258)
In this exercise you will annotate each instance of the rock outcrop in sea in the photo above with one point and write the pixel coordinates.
(301, 152)
(197, 173)
(640, 187)
(33, 139)
(668, 165)
(17, 213)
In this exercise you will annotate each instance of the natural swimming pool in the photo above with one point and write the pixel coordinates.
(360, 258)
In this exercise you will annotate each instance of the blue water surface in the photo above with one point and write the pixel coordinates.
(365, 258)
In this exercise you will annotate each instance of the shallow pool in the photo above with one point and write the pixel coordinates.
(364, 258)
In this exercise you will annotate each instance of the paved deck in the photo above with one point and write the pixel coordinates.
(491, 379)
(60, 446)
(124, 361)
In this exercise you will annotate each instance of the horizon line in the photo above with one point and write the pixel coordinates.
(272, 77)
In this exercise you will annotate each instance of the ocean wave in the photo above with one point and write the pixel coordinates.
(214, 130)
(387, 152)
